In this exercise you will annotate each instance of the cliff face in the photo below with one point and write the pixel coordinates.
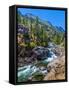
(56, 69)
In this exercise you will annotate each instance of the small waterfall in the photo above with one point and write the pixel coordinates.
(26, 71)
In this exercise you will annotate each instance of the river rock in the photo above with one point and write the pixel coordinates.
(40, 52)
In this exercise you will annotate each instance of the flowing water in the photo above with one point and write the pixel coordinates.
(26, 71)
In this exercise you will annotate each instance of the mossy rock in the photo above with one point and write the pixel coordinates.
(42, 64)
(38, 76)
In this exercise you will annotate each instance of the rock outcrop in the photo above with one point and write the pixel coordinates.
(40, 52)
(56, 69)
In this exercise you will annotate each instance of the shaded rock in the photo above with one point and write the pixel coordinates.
(20, 61)
(37, 76)
(40, 52)
(22, 29)
(28, 53)
(21, 51)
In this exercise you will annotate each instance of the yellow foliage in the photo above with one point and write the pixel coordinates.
(23, 44)
(20, 35)
(32, 44)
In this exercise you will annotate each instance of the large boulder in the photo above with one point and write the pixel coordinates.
(56, 69)
(40, 52)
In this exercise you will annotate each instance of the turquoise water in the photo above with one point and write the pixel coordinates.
(26, 71)
(23, 75)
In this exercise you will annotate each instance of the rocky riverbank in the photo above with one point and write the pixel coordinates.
(41, 63)
(56, 69)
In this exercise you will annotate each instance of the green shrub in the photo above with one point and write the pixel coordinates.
(42, 64)
(32, 44)
(38, 76)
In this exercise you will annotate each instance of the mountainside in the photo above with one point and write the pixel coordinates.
(38, 29)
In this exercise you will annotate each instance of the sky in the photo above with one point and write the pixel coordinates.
(56, 17)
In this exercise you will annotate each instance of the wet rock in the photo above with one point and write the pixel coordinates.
(42, 68)
(37, 76)
(40, 52)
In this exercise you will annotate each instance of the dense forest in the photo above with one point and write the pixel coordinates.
(39, 42)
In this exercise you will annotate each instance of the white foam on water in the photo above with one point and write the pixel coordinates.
(53, 56)
(29, 70)
(44, 71)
